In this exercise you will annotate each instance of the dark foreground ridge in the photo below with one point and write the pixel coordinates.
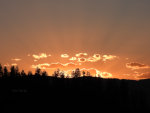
(30, 94)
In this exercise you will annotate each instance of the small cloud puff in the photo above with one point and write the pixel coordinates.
(73, 58)
(108, 57)
(95, 58)
(81, 55)
(40, 56)
(64, 55)
(81, 59)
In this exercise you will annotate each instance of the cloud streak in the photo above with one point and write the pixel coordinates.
(144, 75)
(14, 64)
(16, 59)
(40, 56)
(54, 65)
(135, 66)
(109, 57)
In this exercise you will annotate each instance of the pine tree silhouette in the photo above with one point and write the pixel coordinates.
(1, 71)
(38, 72)
(44, 74)
(83, 73)
(77, 73)
(17, 73)
(30, 73)
(23, 73)
(12, 71)
(5, 71)
(62, 75)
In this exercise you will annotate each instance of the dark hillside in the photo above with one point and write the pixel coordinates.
(83, 94)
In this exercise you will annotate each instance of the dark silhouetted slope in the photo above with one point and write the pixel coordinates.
(84, 94)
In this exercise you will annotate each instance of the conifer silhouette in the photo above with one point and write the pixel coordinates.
(6, 72)
(1, 70)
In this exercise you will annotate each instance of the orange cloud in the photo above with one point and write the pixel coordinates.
(54, 65)
(40, 65)
(91, 59)
(35, 60)
(64, 55)
(73, 58)
(92, 71)
(108, 57)
(16, 59)
(95, 58)
(14, 64)
(81, 54)
(106, 75)
(97, 73)
(135, 65)
(81, 59)
(7, 65)
(40, 56)
(143, 76)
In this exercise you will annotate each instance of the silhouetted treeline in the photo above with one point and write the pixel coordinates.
(30, 93)
(14, 72)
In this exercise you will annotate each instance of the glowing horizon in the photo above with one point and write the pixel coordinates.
(98, 65)
(108, 36)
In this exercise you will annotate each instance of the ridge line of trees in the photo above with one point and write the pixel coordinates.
(14, 72)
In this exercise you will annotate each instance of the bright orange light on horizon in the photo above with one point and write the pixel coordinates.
(98, 65)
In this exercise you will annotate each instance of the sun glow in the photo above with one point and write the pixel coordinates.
(94, 65)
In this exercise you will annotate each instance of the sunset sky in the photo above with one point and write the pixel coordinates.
(106, 37)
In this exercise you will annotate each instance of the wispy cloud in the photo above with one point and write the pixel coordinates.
(16, 59)
(145, 75)
(109, 57)
(54, 65)
(135, 65)
(40, 56)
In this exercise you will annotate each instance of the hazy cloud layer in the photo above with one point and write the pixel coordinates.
(99, 65)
